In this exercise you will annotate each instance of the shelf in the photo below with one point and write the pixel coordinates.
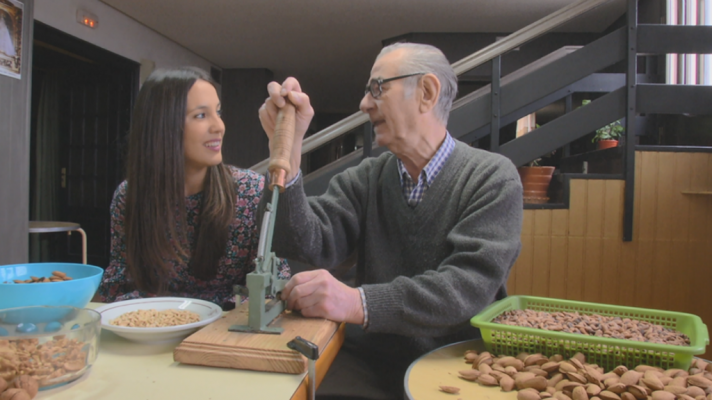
(544, 206)
(699, 193)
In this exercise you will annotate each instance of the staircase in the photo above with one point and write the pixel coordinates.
(615, 234)
(556, 76)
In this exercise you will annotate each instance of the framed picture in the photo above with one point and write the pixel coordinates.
(10, 38)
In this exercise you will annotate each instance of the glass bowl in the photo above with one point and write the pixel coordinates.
(55, 344)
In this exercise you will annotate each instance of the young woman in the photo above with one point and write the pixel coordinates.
(182, 223)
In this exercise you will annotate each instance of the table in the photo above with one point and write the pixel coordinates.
(128, 370)
(57, 226)
(439, 367)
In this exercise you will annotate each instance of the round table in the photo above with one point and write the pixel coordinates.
(57, 226)
(439, 367)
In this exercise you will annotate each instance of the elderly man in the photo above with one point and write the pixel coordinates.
(435, 224)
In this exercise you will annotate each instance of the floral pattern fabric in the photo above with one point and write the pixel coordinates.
(238, 261)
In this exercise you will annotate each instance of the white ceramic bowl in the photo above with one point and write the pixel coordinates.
(208, 312)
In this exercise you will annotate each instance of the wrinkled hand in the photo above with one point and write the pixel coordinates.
(278, 94)
(318, 294)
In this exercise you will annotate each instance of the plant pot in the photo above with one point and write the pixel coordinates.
(535, 183)
(543, 186)
(526, 172)
(606, 144)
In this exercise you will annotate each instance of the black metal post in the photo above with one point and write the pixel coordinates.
(495, 93)
(629, 157)
(568, 106)
(367, 139)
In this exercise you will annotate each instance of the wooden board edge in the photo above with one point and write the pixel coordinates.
(240, 359)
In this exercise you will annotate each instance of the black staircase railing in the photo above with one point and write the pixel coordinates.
(540, 87)
(559, 79)
(516, 39)
(495, 90)
(629, 142)
(565, 129)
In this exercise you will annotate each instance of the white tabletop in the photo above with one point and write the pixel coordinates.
(128, 370)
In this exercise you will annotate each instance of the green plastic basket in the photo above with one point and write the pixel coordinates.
(500, 339)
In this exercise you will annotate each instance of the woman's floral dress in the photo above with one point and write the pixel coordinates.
(240, 250)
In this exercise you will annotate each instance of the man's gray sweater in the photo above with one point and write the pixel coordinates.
(425, 270)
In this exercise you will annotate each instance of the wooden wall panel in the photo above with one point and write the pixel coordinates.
(579, 254)
(595, 209)
(708, 187)
(627, 273)
(680, 228)
(648, 185)
(558, 276)
(698, 204)
(665, 196)
(541, 258)
(610, 271)
(592, 281)
(661, 271)
(699, 172)
(613, 207)
(636, 202)
(542, 223)
(679, 290)
(643, 280)
(698, 294)
(574, 281)
(559, 222)
(577, 207)
(523, 283)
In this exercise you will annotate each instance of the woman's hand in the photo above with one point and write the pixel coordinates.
(278, 94)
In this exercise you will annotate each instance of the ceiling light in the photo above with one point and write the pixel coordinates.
(87, 19)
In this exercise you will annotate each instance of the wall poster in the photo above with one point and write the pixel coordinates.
(10, 37)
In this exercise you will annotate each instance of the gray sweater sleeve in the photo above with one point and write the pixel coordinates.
(321, 231)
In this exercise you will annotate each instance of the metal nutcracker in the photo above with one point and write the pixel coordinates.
(265, 278)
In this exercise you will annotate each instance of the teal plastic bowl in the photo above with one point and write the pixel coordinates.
(74, 293)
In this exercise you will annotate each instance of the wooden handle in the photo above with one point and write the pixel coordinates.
(281, 147)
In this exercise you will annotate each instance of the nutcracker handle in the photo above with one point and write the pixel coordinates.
(281, 147)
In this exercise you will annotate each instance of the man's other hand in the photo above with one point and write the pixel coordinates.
(318, 294)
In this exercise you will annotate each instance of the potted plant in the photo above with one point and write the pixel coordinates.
(535, 182)
(535, 178)
(607, 136)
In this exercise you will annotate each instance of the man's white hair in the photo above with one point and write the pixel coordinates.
(429, 59)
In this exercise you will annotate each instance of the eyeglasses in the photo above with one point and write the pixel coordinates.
(374, 86)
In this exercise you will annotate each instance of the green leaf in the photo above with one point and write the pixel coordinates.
(612, 131)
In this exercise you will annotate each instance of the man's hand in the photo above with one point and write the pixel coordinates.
(291, 90)
(318, 294)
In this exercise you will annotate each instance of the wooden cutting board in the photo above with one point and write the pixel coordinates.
(215, 346)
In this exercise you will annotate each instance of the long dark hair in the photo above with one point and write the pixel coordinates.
(155, 195)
